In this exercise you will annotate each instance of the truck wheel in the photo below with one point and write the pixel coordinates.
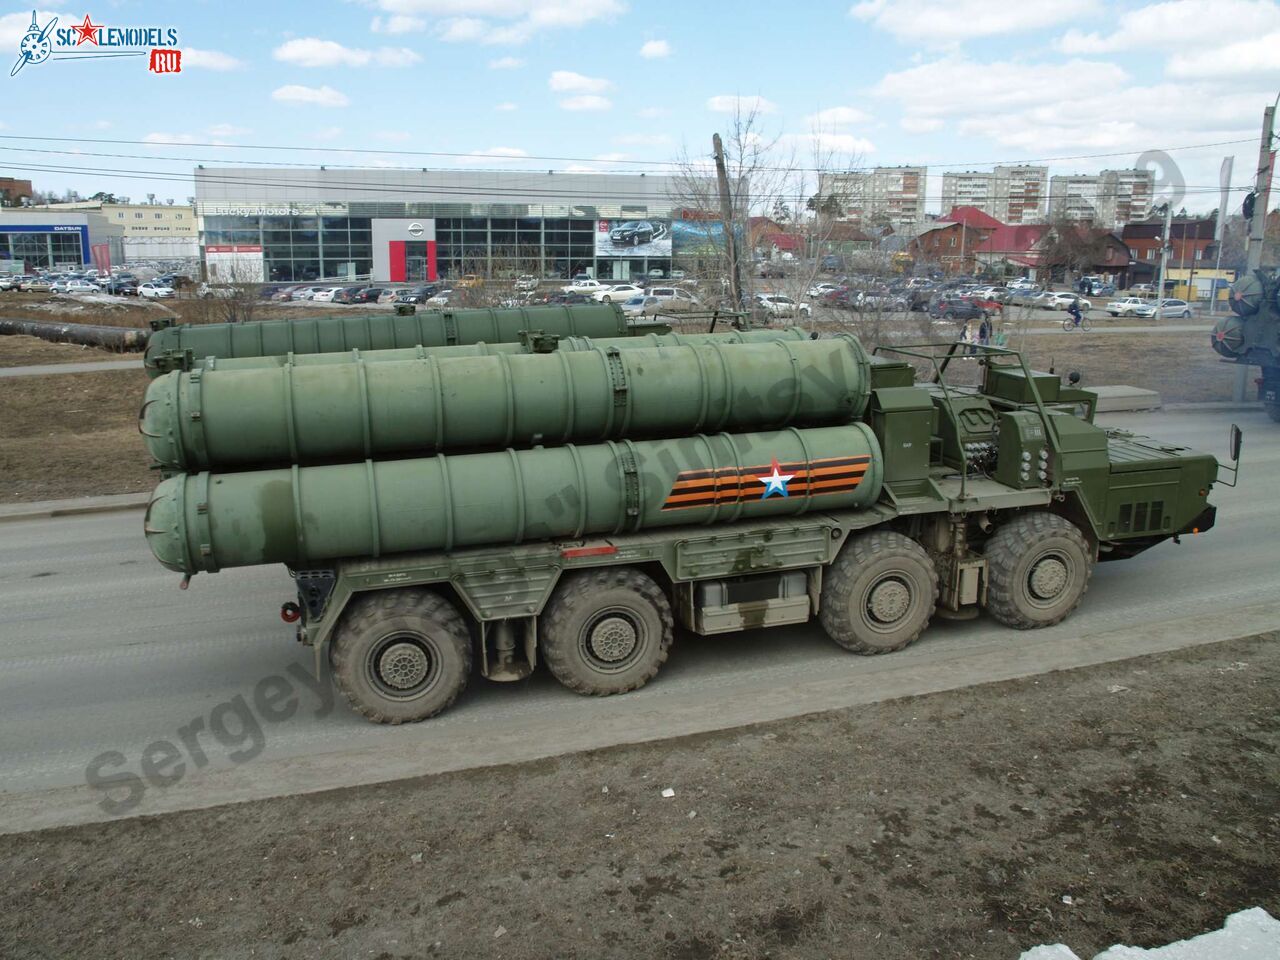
(879, 594)
(401, 656)
(1039, 566)
(606, 631)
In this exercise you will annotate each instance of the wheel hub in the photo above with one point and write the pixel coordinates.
(403, 665)
(1048, 578)
(888, 600)
(612, 639)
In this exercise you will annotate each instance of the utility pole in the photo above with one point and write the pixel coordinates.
(1261, 192)
(1166, 242)
(726, 215)
(1258, 222)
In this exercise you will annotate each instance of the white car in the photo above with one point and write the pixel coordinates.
(1127, 307)
(325, 295)
(618, 293)
(779, 306)
(1168, 308)
(207, 292)
(585, 285)
(640, 305)
(1060, 301)
(526, 283)
(819, 290)
(441, 299)
(674, 298)
(75, 286)
(155, 291)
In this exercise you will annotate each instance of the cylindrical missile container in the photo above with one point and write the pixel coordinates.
(232, 419)
(173, 348)
(762, 335)
(305, 515)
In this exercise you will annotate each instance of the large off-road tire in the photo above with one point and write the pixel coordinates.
(879, 594)
(1038, 568)
(606, 631)
(401, 656)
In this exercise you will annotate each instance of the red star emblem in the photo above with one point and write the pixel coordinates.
(88, 31)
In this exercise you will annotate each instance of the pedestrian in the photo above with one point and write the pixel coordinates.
(984, 332)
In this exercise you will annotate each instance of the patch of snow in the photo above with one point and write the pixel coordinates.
(1248, 935)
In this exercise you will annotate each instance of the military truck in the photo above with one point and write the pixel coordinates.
(1252, 335)
(574, 508)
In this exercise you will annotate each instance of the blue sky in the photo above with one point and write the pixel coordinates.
(611, 83)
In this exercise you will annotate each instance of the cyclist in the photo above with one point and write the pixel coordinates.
(1073, 311)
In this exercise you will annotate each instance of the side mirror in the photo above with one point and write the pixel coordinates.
(1237, 437)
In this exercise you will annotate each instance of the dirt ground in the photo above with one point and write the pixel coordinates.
(134, 312)
(1133, 802)
(32, 351)
(70, 435)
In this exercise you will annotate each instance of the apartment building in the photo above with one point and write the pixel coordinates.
(882, 194)
(1010, 194)
(1111, 198)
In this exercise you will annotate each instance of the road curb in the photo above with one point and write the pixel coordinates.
(46, 509)
(1211, 405)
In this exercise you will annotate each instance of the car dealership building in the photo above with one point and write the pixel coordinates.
(397, 225)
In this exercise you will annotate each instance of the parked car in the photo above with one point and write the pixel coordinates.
(955, 308)
(442, 299)
(1168, 308)
(677, 274)
(325, 295)
(568, 298)
(640, 306)
(74, 286)
(419, 294)
(1101, 289)
(208, 291)
(152, 290)
(1061, 301)
(767, 270)
(9, 281)
(831, 263)
(347, 294)
(820, 290)
(37, 285)
(469, 281)
(526, 283)
(1127, 307)
(632, 233)
(618, 293)
(367, 295)
(674, 298)
(1141, 288)
(584, 285)
(779, 306)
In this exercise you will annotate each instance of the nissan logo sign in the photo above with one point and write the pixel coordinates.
(415, 230)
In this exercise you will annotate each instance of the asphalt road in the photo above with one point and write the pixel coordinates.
(100, 651)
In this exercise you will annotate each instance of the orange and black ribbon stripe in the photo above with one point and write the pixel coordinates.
(710, 488)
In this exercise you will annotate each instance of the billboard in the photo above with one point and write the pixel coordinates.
(234, 263)
(649, 237)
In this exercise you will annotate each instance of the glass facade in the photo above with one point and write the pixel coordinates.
(301, 247)
(44, 250)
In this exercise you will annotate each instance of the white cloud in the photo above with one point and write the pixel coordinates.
(948, 22)
(655, 49)
(463, 30)
(14, 25)
(314, 96)
(506, 63)
(314, 52)
(587, 101)
(736, 104)
(509, 22)
(1177, 19)
(210, 60)
(838, 117)
(566, 81)
(921, 124)
(227, 130)
(507, 107)
(398, 23)
(1240, 59)
(839, 144)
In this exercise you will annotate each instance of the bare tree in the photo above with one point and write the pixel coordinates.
(233, 293)
(1072, 247)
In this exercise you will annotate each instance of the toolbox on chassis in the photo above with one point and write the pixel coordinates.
(1000, 496)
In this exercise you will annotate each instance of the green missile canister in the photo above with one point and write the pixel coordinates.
(533, 344)
(304, 515)
(174, 348)
(233, 419)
